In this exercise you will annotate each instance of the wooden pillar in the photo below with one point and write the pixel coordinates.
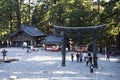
(94, 50)
(64, 50)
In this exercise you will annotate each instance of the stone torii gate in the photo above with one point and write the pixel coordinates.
(92, 29)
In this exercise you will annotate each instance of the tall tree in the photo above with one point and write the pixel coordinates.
(111, 17)
(18, 3)
(74, 13)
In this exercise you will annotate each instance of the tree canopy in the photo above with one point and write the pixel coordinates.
(72, 13)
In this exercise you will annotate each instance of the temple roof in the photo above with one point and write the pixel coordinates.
(30, 30)
(52, 39)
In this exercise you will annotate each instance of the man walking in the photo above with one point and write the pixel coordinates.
(72, 56)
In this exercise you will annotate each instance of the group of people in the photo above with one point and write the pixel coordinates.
(86, 57)
(82, 56)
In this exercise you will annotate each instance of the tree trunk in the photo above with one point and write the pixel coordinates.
(18, 14)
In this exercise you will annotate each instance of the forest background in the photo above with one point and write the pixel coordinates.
(70, 13)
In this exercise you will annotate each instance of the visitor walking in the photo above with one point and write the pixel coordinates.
(81, 57)
(72, 56)
(107, 55)
(89, 59)
(77, 56)
(85, 56)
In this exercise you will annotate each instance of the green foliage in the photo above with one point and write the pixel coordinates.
(74, 13)
(111, 16)
(70, 13)
(7, 10)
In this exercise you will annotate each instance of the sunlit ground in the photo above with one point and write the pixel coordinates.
(45, 65)
(110, 59)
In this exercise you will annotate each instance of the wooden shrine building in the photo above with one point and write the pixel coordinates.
(27, 33)
(52, 42)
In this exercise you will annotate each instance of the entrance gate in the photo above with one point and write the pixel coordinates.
(92, 29)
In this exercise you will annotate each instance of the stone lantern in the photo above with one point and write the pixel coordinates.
(4, 54)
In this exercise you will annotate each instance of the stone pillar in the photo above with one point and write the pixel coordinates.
(64, 50)
(94, 50)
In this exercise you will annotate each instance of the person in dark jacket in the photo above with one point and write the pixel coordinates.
(89, 59)
(72, 56)
(107, 55)
(77, 56)
(81, 57)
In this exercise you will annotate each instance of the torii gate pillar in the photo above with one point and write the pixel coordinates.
(94, 50)
(64, 49)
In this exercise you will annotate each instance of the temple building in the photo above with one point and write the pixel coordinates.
(52, 42)
(27, 33)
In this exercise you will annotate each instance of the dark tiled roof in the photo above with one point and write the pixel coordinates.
(53, 39)
(14, 33)
(32, 30)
